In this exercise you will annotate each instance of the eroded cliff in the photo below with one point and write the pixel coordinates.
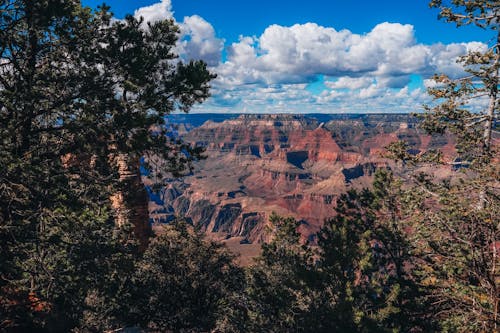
(289, 164)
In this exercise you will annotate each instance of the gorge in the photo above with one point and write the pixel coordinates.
(292, 165)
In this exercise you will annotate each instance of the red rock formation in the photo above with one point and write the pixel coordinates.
(286, 164)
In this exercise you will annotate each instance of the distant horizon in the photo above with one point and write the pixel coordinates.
(292, 113)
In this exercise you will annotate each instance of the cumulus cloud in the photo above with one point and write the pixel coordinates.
(431, 83)
(294, 98)
(155, 12)
(346, 82)
(369, 92)
(444, 57)
(394, 81)
(300, 52)
(271, 72)
(199, 40)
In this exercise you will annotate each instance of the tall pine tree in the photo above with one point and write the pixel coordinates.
(78, 91)
(456, 221)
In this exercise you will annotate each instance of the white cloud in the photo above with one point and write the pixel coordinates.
(395, 81)
(243, 51)
(270, 72)
(302, 51)
(431, 83)
(403, 93)
(156, 12)
(346, 82)
(199, 40)
(369, 92)
(444, 57)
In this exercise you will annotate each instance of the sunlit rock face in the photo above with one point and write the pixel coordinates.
(288, 164)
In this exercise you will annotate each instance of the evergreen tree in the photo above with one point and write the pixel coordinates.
(78, 89)
(454, 112)
(358, 278)
(183, 283)
(456, 222)
(279, 294)
(365, 263)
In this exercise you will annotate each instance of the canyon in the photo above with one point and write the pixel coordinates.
(291, 165)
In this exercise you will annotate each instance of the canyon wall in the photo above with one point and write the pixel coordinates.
(288, 164)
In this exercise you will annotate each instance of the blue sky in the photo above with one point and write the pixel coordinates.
(313, 56)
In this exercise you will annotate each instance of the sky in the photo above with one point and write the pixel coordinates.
(315, 56)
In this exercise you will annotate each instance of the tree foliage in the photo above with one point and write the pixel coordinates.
(83, 97)
(279, 289)
(456, 222)
(183, 283)
(76, 90)
(356, 279)
(455, 113)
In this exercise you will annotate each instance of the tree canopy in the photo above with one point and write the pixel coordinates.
(456, 222)
(77, 89)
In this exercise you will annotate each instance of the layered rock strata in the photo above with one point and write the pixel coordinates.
(288, 164)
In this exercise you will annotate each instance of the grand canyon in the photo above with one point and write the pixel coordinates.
(236, 166)
(293, 165)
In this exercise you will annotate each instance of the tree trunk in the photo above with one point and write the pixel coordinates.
(131, 200)
(490, 117)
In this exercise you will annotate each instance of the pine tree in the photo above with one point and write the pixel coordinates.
(151, 82)
(455, 220)
(365, 260)
(358, 278)
(184, 283)
(474, 129)
(278, 297)
(76, 90)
